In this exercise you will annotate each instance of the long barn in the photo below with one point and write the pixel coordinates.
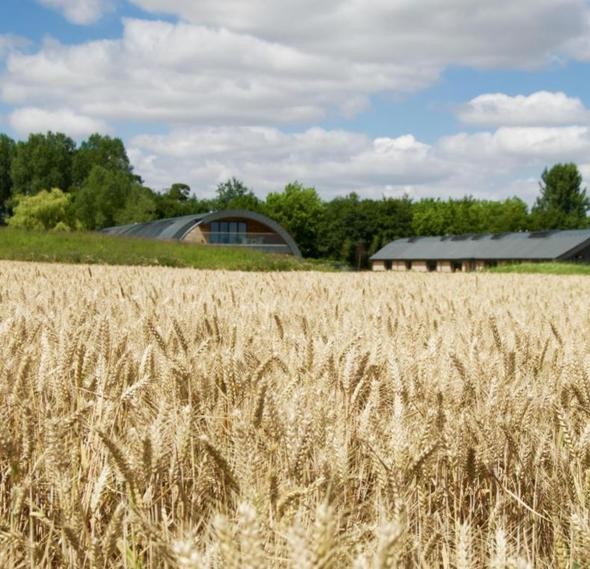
(474, 252)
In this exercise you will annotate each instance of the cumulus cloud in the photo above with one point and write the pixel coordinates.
(429, 32)
(542, 108)
(81, 12)
(193, 74)
(335, 161)
(31, 119)
(283, 62)
(520, 143)
(486, 164)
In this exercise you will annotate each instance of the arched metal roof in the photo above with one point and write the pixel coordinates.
(177, 228)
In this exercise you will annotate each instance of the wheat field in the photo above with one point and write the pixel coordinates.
(170, 418)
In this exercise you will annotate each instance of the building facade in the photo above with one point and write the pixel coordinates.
(229, 228)
(474, 252)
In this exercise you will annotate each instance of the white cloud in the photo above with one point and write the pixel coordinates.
(428, 32)
(520, 143)
(283, 62)
(542, 108)
(487, 164)
(192, 74)
(334, 161)
(31, 119)
(82, 12)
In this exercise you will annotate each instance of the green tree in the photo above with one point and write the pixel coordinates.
(177, 201)
(140, 205)
(7, 150)
(43, 211)
(180, 192)
(110, 197)
(99, 150)
(468, 215)
(563, 203)
(43, 161)
(233, 194)
(300, 211)
(353, 229)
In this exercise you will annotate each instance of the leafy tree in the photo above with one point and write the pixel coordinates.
(468, 215)
(99, 150)
(43, 161)
(502, 216)
(177, 201)
(180, 192)
(233, 194)
(140, 206)
(7, 150)
(353, 229)
(300, 211)
(563, 203)
(107, 198)
(43, 211)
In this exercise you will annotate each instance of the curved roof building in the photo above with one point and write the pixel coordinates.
(235, 228)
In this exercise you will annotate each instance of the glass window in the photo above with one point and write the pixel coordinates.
(214, 229)
(223, 230)
(229, 232)
(233, 230)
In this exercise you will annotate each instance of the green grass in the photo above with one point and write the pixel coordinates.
(93, 248)
(556, 268)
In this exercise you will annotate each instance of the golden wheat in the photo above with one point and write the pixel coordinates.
(172, 418)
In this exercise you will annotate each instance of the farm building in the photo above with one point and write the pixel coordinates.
(235, 228)
(477, 251)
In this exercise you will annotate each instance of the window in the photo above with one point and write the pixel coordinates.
(228, 232)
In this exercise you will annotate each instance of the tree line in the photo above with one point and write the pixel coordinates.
(49, 182)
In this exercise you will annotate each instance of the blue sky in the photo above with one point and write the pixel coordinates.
(426, 98)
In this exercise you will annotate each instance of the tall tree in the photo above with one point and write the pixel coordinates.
(563, 203)
(43, 162)
(99, 150)
(177, 200)
(110, 198)
(7, 150)
(233, 194)
(300, 211)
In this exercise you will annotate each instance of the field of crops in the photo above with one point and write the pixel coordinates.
(155, 417)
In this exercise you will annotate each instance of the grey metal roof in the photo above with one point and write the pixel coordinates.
(176, 228)
(542, 245)
(166, 229)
